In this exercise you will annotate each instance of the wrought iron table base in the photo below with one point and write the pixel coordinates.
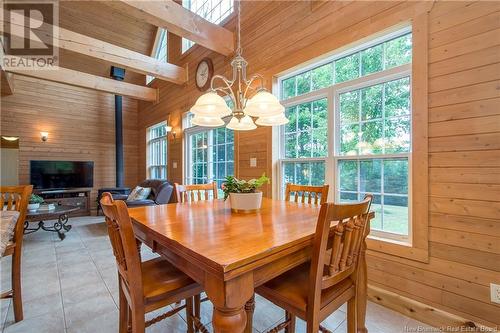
(58, 226)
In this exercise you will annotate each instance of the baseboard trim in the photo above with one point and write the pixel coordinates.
(445, 321)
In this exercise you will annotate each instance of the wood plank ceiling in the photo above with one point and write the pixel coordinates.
(98, 20)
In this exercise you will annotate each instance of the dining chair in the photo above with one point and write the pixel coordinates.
(15, 198)
(306, 194)
(314, 290)
(144, 286)
(195, 192)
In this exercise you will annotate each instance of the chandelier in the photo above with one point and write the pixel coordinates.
(210, 107)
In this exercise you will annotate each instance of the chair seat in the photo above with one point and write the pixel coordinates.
(160, 277)
(290, 290)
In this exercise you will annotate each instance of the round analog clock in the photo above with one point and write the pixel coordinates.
(204, 73)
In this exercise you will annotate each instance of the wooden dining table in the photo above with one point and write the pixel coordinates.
(230, 254)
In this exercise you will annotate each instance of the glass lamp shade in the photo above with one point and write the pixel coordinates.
(211, 105)
(207, 121)
(279, 119)
(244, 124)
(263, 104)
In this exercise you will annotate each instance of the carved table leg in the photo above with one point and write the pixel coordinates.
(249, 308)
(229, 299)
(229, 320)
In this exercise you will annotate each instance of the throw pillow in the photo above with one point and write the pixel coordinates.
(144, 194)
(135, 192)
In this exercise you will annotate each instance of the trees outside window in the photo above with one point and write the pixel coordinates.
(209, 154)
(350, 126)
(156, 153)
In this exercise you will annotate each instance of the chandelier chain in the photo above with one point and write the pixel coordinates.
(239, 50)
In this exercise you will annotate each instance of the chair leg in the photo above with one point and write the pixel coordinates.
(16, 285)
(249, 309)
(124, 310)
(197, 308)
(351, 316)
(291, 326)
(138, 321)
(189, 315)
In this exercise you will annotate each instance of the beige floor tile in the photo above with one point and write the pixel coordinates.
(54, 323)
(91, 313)
(102, 322)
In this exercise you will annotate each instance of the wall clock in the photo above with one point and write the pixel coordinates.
(204, 73)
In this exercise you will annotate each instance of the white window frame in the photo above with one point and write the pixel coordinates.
(394, 73)
(193, 130)
(187, 44)
(160, 39)
(148, 150)
(332, 93)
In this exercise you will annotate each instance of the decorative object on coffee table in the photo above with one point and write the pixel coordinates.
(243, 194)
(59, 213)
(34, 203)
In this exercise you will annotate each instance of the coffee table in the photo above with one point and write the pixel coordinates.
(59, 213)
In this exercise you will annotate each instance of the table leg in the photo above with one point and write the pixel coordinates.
(229, 299)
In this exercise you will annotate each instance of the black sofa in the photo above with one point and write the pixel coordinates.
(161, 193)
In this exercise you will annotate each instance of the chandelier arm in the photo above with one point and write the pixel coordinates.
(227, 90)
(249, 83)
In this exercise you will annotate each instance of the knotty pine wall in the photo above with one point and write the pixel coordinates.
(81, 127)
(464, 131)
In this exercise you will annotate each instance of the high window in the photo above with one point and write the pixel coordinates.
(156, 143)
(350, 126)
(161, 50)
(209, 153)
(214, 11)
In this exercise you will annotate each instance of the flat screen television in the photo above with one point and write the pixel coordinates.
(61, 174)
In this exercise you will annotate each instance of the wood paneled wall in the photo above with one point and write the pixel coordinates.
(464, 130)
(464, 172)
(80, 123)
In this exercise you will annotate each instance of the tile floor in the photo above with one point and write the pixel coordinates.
(71, 286)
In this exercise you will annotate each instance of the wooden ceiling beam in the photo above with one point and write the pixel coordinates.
(106, 52)
(85, 80)
(178, 20)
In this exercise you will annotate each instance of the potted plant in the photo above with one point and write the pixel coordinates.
(34, 203)
(243, 194)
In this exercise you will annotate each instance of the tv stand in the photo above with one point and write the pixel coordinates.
(79, 197)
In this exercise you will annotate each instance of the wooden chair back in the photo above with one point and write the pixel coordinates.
(340, 231)
(16, 198)
(195, 192)
(121, 235)
(307, 194)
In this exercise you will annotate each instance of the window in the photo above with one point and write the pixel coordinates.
(209, 154)
(214, 11)
(156, 142)
(161, 50)
(350, 126)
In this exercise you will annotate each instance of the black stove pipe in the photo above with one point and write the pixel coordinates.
(118, 74)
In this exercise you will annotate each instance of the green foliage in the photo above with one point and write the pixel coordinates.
(36, 199)
(395, 52)
(234, 185)
(304, 173)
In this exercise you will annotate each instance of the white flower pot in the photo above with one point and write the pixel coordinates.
(33, 206)
(245, 202)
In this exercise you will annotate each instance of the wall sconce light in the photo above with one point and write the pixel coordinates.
(170, 130)
(44, 136)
